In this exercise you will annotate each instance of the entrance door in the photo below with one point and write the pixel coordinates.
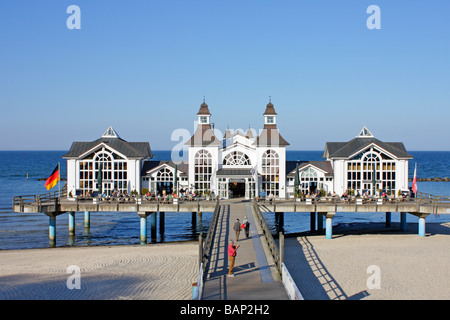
(237, 189)
(167, 187)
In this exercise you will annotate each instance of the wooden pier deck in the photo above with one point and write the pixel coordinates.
(256, 277)
(57, 206)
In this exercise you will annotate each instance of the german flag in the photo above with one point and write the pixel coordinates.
(53, 179)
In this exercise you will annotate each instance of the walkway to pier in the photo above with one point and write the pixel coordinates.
(255, 276)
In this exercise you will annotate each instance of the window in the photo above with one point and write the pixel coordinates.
(270, 173)
(203, 119)
(236, 158)
(369, 168)
(308, 181)
(203, 171)
(164, 181)
(270, 120)
(113, 171)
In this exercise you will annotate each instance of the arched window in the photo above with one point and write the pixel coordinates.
(203, 171)
(371, 171)
(309, 175)
(113, 171)
(270, 166)
(164, 181)
(236, 158)
(308, 181)
(164, 175)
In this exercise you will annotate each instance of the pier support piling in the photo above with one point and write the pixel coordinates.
(388, 219)
(421, 227)
(320, 222)
(87, 219)
(312, 221)
(162, 221)
(329, 225)
(52, 230)
(153, 226)
(143, 222)
(403, 221)
(71, 223)
(422, 224)
(194, 220)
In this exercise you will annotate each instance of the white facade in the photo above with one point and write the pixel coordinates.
(117, 161)
(367, 165)
(238, 165)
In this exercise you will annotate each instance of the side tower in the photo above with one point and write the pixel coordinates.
(204, 148)
(271, 155)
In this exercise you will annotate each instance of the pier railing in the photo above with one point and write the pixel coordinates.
(38, 199)
(273, 248)
(205, 251)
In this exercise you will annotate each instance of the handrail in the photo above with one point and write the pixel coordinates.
(274, 251)
(205, 249)
(20, 200)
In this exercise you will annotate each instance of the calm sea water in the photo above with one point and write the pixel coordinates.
(20, 231)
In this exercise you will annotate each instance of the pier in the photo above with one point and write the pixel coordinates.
(53, 206)
(257, 277)
(323, 209)
(260, 266)
(326, 208)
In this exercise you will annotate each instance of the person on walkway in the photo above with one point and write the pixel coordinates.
(246, 225)
(232, 251)
(237, 229)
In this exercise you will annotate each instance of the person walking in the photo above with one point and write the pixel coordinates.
(237, 229)
(232, 252)
(246, 225)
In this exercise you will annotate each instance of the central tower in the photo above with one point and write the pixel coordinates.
(271, 155)
(204, 149)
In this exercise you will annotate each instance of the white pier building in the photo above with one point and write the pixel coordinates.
(238, 164)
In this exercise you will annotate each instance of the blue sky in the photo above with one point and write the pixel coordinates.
(144, 66)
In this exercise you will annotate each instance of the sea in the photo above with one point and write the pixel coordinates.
(24, 173)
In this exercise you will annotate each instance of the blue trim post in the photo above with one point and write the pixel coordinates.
(422, 226)
(329, 225)
(403, 221)
(87, 219)
(52, 230)
(71, 223)
(143, 221)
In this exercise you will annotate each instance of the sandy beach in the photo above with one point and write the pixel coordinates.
(408, 267)
(153, 272)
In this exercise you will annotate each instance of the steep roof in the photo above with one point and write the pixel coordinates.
(270, 110)
(322, 165)
(204, 109)
(203, 137)
(270, 137)
(128, 149)
(347, 149)
(183, 167)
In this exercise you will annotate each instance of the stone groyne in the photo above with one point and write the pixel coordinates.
(445, 179)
